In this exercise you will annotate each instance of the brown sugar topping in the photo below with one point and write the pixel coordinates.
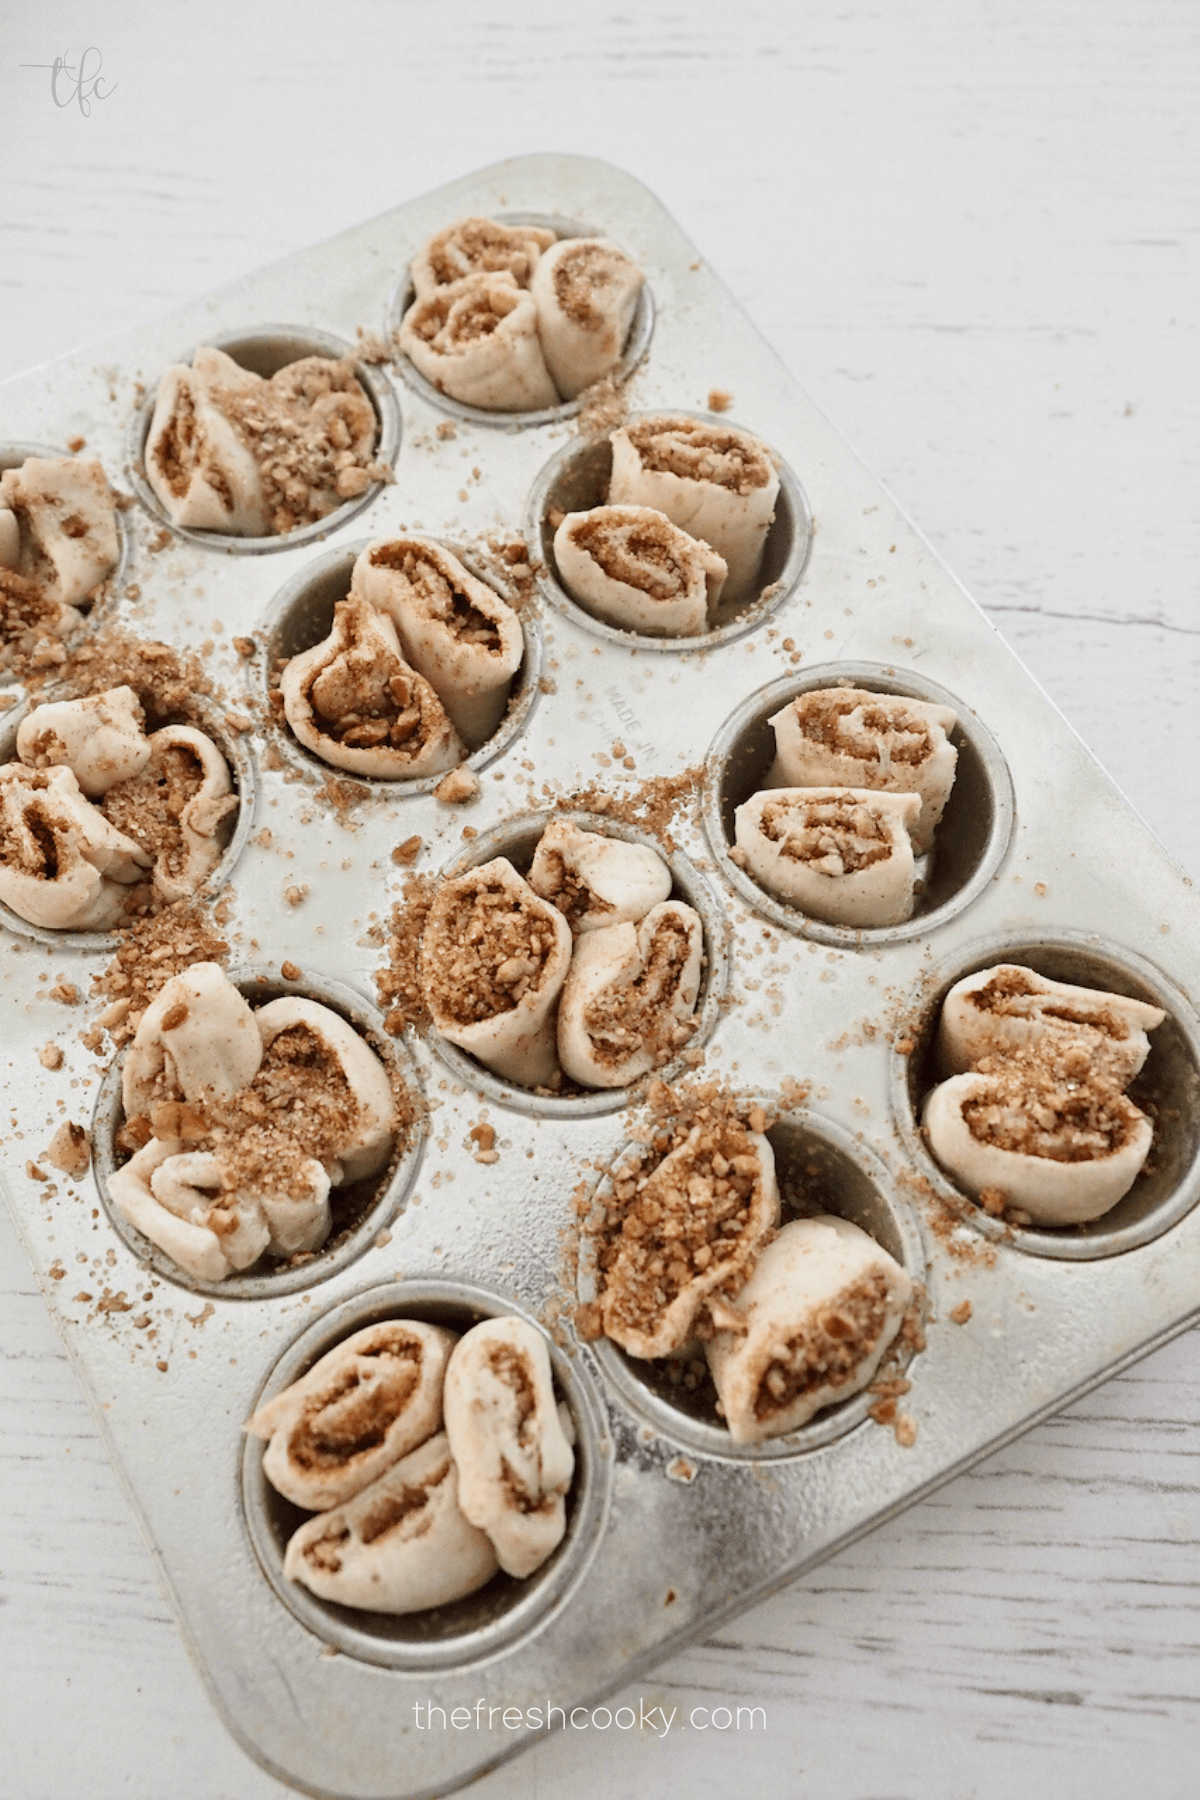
(661, 1225)
(363, 700)
(485, 947)
(391, 1510)
(582, 275)
(871, 728)
(399, 984)
(828, 1351)
(697, 451)
(634, 1015)
(1013, 993)
(837, 837)
(149, 807)
(639, 552)
(153, 948)
(481, 245)
(1035, 1110)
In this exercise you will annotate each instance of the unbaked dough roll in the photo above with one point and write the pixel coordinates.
(453, 629)
(494, 957)
(843, 855)
(596, 881)
(477, 341)
(191, 1186)
(99, 739)
(400, 1545)
(1062, 1151)
(185, 757)
(206, 477)
(353, 700)
(323, 1041)
(62, 865)
(1009, 1009)
(514, 1463)
(586, 291)
(361, 1407)
(632, 568)
(195, 1248)
(197, 1038)
(849, 737)
(478, 246)
(674, 1258)
(629, 996)
(67, 525)
(821, 1308)
(713, 481)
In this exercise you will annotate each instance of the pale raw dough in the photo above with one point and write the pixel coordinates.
(632, 568)
(823, 1305)
(477, 246)
(850, 737)
(596, 881)
(586, 292)
(713, 481)
(1009, 1008)
(843, 855)
(197, 1037)
(205, 476)
(99, 739)
(63, 866)
(67, 522)
(514, 1463)
(361, 1407)
(477, 340)
(629, 994)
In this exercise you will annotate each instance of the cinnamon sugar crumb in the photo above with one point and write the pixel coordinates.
(70, 1150)
(458, 788)
(50, 1057)
(408, 851)
(961, 1313)
(719, 400)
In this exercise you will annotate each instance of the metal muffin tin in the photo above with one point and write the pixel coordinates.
(671, 1528)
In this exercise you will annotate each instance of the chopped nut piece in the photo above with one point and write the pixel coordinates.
(70, 1150)
(961, 1313)
(50, 1057)
(457, 788)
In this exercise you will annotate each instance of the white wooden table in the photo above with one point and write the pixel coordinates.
(972, 233)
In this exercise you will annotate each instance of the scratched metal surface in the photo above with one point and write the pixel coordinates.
(674, 1554)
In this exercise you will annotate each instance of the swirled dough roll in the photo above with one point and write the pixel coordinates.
(478, 246)
(839, 854)
(187, 792)
(67, 526)
(361, 1407)
(205, 476)
(231, 451)
(192, 1186)
(99, 739)
(195, 1248)
(353, 701)
(632, 568)
(477, 340)
(821, 1308)
(322, 1045)
(514, 1463)
(849, 737)
(713, 481)
(453, 629)
(62, 865)
(630, 995)
(586, 292)
(1009, 1009)
(596, 881)
(685, 1235)
(1063, 1146)
(197, 1038)
(400, 1545)
(494, 957)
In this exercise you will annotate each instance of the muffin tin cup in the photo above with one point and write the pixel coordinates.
(11, 457)
(301, 615)
(852, 1183)
(234, 747)
(1168, 1086)
(264, 350)
(636, 344)
(373, 1211)
(972, 839)
(505, 1611)
(576, 479)
(517, 839)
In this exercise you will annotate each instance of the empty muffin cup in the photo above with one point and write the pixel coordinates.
(506, 1609)
(264, 350)
(360, 1209)
(636, 345)
(517, 840)
(1166, 1089)
(302, 615)
(234, 747)
(821, 1169)
(972, 838)
(576, 479)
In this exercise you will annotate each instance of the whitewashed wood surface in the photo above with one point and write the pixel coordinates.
(971, 230)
